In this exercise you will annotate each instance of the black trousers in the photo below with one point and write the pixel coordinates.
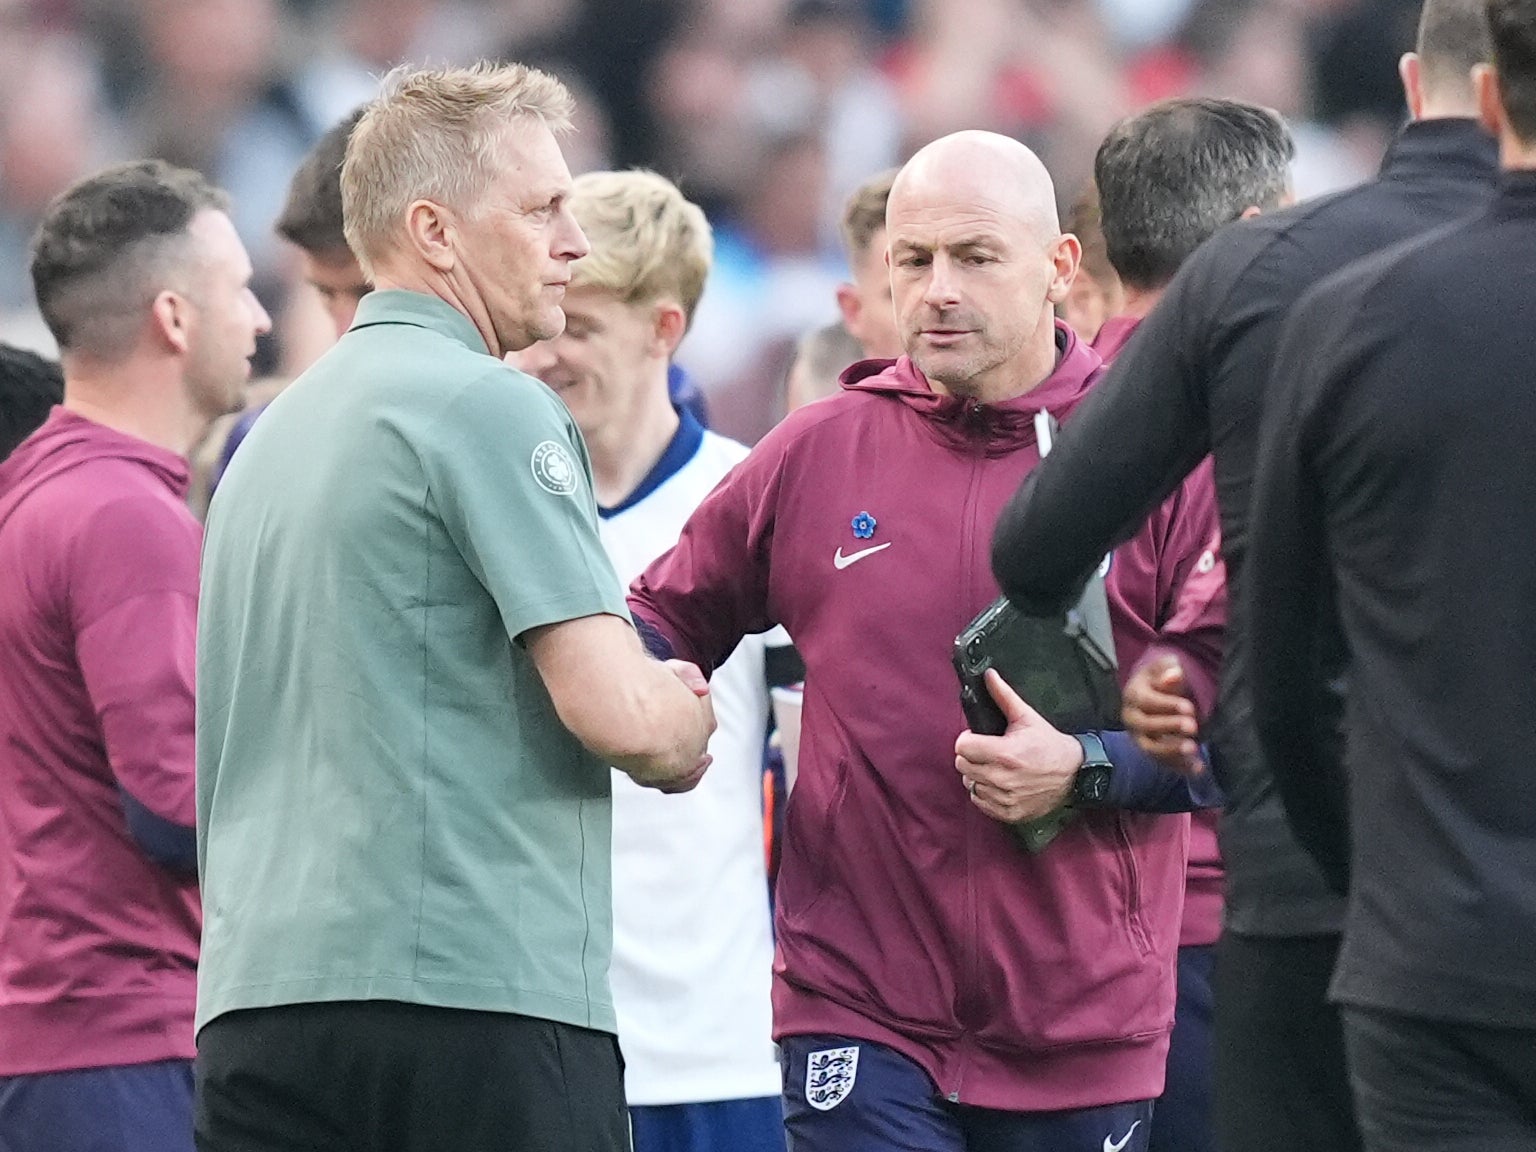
(382, 1076)
(1428, 1086)
(1282, 1083)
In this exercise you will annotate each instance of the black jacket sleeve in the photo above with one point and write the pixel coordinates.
(1292, 623)
(1140, 431)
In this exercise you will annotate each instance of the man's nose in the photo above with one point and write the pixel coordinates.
(570, 240)
(942, 291)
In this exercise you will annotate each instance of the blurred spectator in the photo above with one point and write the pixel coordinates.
(1096, 293)
(868, 313)
(715, 93)
(827, 52)
(1256, 51)
(215, 100)
(1046, 73)
(772, 281)
(612, 46)
(820, 358)
(29, 387)
(51, 133)
(358, 41)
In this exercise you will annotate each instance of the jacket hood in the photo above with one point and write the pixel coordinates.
(1006, 425)
(65, 442)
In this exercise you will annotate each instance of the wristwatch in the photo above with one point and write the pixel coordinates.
(1090, 787)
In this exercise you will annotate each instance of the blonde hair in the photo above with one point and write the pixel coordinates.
(648, 242)
(435, 135)
(864, 213)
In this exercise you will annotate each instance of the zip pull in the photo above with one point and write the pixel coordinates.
(1045, 431)
(973, 414)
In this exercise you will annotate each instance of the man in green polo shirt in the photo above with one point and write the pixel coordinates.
(414, 666)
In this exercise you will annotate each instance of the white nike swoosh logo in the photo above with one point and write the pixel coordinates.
(840, 562)
(1113, 1146)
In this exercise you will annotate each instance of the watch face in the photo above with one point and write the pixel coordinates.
(1093, 784)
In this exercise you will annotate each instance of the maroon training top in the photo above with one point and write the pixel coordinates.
(905, 915)
(98, 616)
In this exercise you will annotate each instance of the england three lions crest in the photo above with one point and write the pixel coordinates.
(829, 1076)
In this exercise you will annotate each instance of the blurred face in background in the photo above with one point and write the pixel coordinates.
(338, 281)
(869, 313)
(218, 49)
(1090, 303)
(612, 355)
(50, 127)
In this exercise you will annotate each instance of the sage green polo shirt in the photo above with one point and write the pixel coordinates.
(388, 807)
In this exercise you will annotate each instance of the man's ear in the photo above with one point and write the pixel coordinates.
(671, 325)
(171, 319)
(431, 232)
(851, 305)
(1066, 256)
(1490, 105)
(1410, 70)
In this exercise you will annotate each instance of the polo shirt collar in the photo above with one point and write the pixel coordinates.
(398, 306)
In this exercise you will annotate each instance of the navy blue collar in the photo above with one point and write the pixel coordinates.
(682, 448)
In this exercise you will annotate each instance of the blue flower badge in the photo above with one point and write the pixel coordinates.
(863, 526)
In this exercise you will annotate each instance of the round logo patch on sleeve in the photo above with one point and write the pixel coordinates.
(553, 469)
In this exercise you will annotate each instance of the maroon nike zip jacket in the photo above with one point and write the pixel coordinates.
(906, 916)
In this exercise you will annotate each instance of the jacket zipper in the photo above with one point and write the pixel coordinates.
(975, 419)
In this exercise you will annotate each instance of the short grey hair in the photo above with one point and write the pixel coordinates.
(434, 134)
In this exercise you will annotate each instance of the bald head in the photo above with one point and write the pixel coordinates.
(982, 169)
(977, 261)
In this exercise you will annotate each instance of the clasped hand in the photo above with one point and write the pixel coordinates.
(1025, 773)
(693, 680)
(1160, 715)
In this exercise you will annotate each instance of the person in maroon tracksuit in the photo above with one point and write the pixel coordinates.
(1167, 178)
(937, 986)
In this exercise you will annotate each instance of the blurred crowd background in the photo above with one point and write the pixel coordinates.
(767, 112)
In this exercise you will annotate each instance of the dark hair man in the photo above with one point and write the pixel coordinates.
(1167, 179)
(145, 285)
(311, 221)
(414, 670)
(1192, 383)
(1397, 466)
(865, 301)
(29, 388)
(938, 986)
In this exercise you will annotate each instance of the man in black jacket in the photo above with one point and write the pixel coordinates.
(1192, 382)
(1397, 480)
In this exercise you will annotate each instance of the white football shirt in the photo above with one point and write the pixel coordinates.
(692, 939)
